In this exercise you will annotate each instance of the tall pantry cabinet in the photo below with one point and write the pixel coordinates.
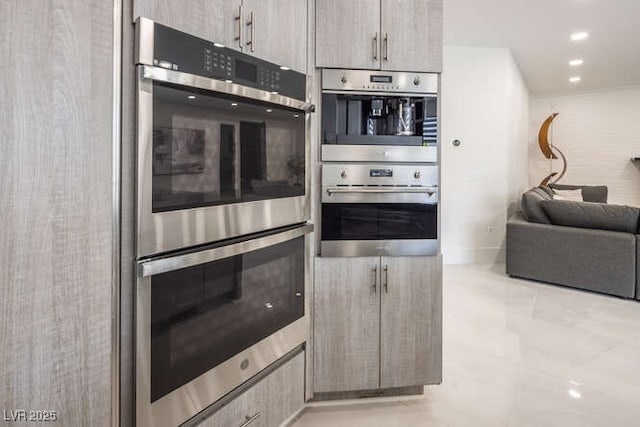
(56, 197)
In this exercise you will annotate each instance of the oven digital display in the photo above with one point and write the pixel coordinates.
(381, 79)
(381, 173)
(246, 71)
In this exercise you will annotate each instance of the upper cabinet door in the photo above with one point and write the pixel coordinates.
(212, 20)
(411, 35)
(348, 34)
(411, 321)
(278, 32)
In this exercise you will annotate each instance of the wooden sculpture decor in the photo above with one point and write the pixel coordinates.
(549, 151)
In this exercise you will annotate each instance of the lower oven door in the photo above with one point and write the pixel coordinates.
(369, 221)
(207, 321)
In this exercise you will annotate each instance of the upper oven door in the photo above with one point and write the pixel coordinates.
(215, 160)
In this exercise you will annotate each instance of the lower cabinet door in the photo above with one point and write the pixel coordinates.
(346, 324)
(268, 403)
(411, 321)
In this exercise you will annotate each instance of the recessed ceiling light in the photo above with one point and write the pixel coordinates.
(234, 104)
(576, 62)
(269, 110)
(574, 79)
(228, 81)
(275, 92)
(284, 68)
(191, 97)
(581, 35)
(218, 45)
(296, 115)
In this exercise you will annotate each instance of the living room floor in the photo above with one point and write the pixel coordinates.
(517, 353)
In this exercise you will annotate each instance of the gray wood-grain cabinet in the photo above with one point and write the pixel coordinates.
(56, 192)
(398, 35)
(377, 323)
(271, 401)
(274, 30)
(208, 19)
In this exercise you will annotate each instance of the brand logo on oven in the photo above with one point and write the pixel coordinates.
(165, 64)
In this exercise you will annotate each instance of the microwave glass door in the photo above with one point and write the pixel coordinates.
(212, 149)
(379, 221)
(203, 315)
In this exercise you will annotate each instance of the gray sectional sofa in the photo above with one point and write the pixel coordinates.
(587, 245)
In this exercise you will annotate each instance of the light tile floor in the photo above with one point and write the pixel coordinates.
(517, 353)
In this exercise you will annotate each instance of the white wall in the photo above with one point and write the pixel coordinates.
(485, 105)
(598, 132)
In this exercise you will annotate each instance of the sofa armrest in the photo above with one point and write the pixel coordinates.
(598, 260)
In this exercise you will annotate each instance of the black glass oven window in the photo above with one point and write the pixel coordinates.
(208, 149)
(379, 221)
(203, 315)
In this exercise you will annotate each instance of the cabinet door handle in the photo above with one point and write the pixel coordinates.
(386, 46)
(249, 420)
(375, 47)
(252, 24)
(375, 279)
(386, 279)
(239, 19)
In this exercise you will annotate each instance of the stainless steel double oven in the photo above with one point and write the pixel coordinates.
(380, 163)
(222, 211)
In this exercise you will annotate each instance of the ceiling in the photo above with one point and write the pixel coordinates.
(538, 34)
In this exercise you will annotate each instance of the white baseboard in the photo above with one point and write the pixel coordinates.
(473, 256)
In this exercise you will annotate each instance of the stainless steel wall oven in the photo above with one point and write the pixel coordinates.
(210, 319)
(221, 142)
(379, 209)
(222, 210)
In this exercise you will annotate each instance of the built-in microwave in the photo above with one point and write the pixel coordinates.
(222, 142)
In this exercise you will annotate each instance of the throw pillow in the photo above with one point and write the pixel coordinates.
(531, 206)
(574, 195)
(590, 193)
(592, 215)
(546, 189)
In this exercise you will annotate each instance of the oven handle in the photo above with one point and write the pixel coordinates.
(191, 80)
(423, 190)
(164, 265)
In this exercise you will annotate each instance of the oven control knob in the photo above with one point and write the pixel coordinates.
(343, 174)
(416, 81)
(343, 79)
(417, 174)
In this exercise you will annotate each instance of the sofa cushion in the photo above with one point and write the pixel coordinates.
(592, 215)
(531, 206)
(574, 195)
(590, 193)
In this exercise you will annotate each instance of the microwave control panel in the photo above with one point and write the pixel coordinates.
(178, 51)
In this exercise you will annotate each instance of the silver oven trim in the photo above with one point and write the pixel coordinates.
(424, 195)
(355, 248)
(199, 82)
(379, 153)
(163, 265)
(167, 231)
(189, 399)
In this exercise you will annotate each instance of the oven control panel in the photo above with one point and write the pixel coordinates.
(178, 51)
(374, 175)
